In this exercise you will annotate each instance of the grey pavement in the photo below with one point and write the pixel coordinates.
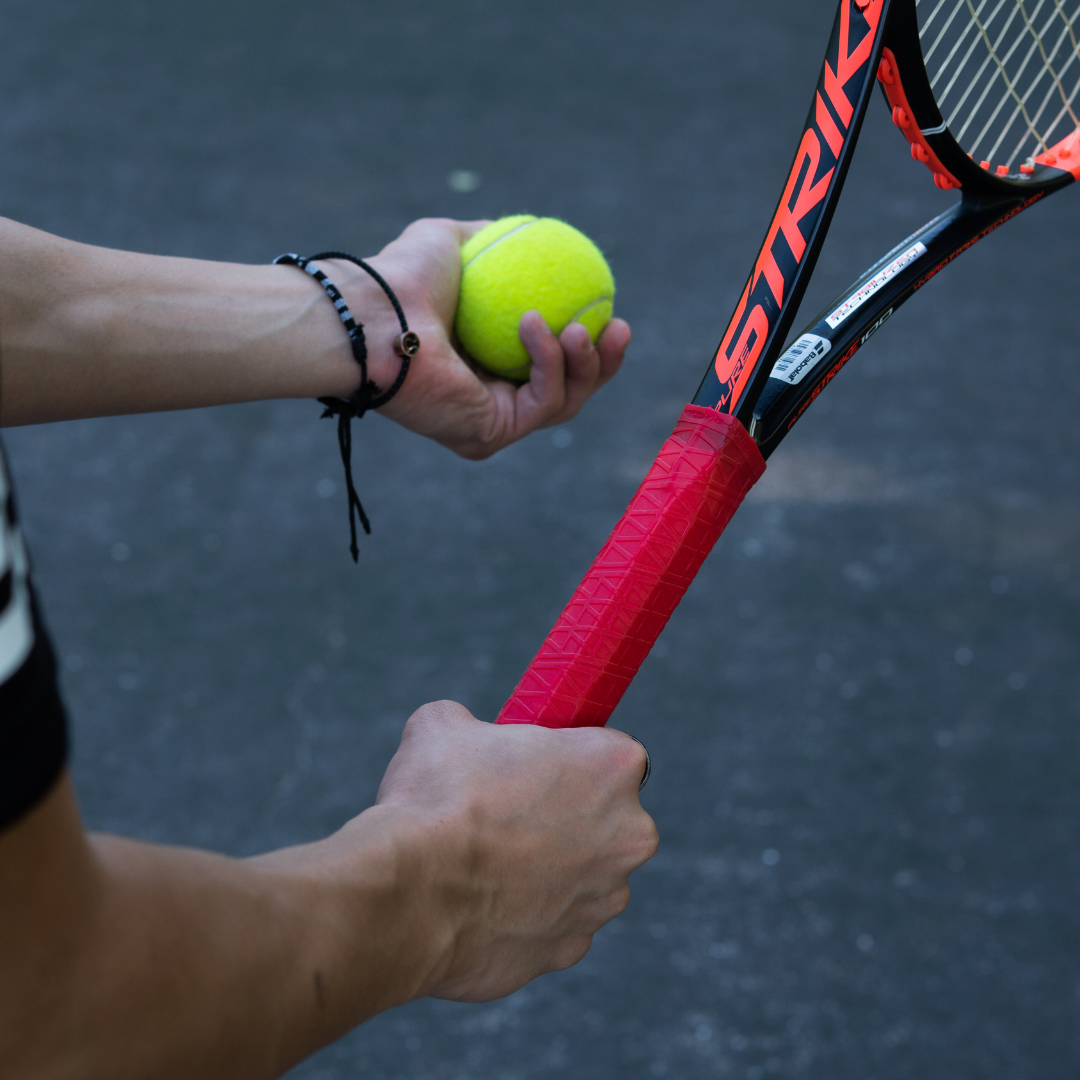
(863, 718)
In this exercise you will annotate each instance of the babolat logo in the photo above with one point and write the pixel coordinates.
(875, 328)
(792, 367)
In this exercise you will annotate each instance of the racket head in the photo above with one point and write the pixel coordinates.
(1001, 79)
(986, 92)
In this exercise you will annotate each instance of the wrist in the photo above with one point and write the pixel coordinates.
(379, 919)
(372, 309)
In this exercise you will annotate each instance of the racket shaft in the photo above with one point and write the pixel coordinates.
(693, 489)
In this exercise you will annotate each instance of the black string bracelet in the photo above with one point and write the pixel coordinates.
(368, 395)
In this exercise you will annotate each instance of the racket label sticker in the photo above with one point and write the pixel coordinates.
(792, 367)
(877, 282)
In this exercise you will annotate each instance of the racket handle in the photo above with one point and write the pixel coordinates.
(692, 491)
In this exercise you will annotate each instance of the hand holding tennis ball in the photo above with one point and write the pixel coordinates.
(524, 263)
(447, 396)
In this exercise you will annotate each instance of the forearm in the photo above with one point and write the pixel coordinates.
(87, 331)
(178, 963)
(492, 855)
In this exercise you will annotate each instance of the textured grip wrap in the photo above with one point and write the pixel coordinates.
(692, 491)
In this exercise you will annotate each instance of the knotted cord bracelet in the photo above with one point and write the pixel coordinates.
(368, 395)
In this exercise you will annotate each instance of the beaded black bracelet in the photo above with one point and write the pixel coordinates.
(368, 395)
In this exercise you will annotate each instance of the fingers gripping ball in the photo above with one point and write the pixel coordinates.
(524, 263)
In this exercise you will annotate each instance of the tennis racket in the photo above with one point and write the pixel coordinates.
(983, 91)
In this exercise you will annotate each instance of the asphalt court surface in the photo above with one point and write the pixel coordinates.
(863, 718)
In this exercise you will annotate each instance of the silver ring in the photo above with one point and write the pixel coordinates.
(648, 762)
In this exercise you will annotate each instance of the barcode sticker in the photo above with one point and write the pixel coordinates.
(800, 358)
(867, 289)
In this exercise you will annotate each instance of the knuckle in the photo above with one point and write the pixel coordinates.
(573, 952)
(437, 712)
(600, 746)
(640, 842)
(618, 901)
(649, 839)
(476, 452)
(632, 756)
(619, 754)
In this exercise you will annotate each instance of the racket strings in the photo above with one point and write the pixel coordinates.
(1005, 73)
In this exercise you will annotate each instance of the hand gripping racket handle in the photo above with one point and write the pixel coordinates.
(692, 491)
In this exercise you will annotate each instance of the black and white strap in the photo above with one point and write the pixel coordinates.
(368, 395)
(16, 621)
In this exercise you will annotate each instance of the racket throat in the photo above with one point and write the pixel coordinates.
(778, 279)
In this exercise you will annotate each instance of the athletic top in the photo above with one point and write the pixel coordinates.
(33, 728)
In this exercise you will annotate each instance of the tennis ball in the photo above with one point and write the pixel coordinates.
(523, 263)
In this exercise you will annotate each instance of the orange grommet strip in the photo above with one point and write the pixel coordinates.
(1065, 155)
(1003, 170)
(903, 118)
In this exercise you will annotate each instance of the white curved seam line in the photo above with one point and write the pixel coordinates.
(496, 243)
(589, 306)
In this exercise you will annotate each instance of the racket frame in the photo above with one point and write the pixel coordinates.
(741, 412)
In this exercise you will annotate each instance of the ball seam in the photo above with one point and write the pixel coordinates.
(495, 243)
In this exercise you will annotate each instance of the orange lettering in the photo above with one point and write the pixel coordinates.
(834, 88)
(788, 217)
(724, 365)
(829, 128)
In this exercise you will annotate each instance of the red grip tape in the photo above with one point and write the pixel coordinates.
(696, 484)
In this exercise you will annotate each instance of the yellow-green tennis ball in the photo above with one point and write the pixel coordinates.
(524, 263)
